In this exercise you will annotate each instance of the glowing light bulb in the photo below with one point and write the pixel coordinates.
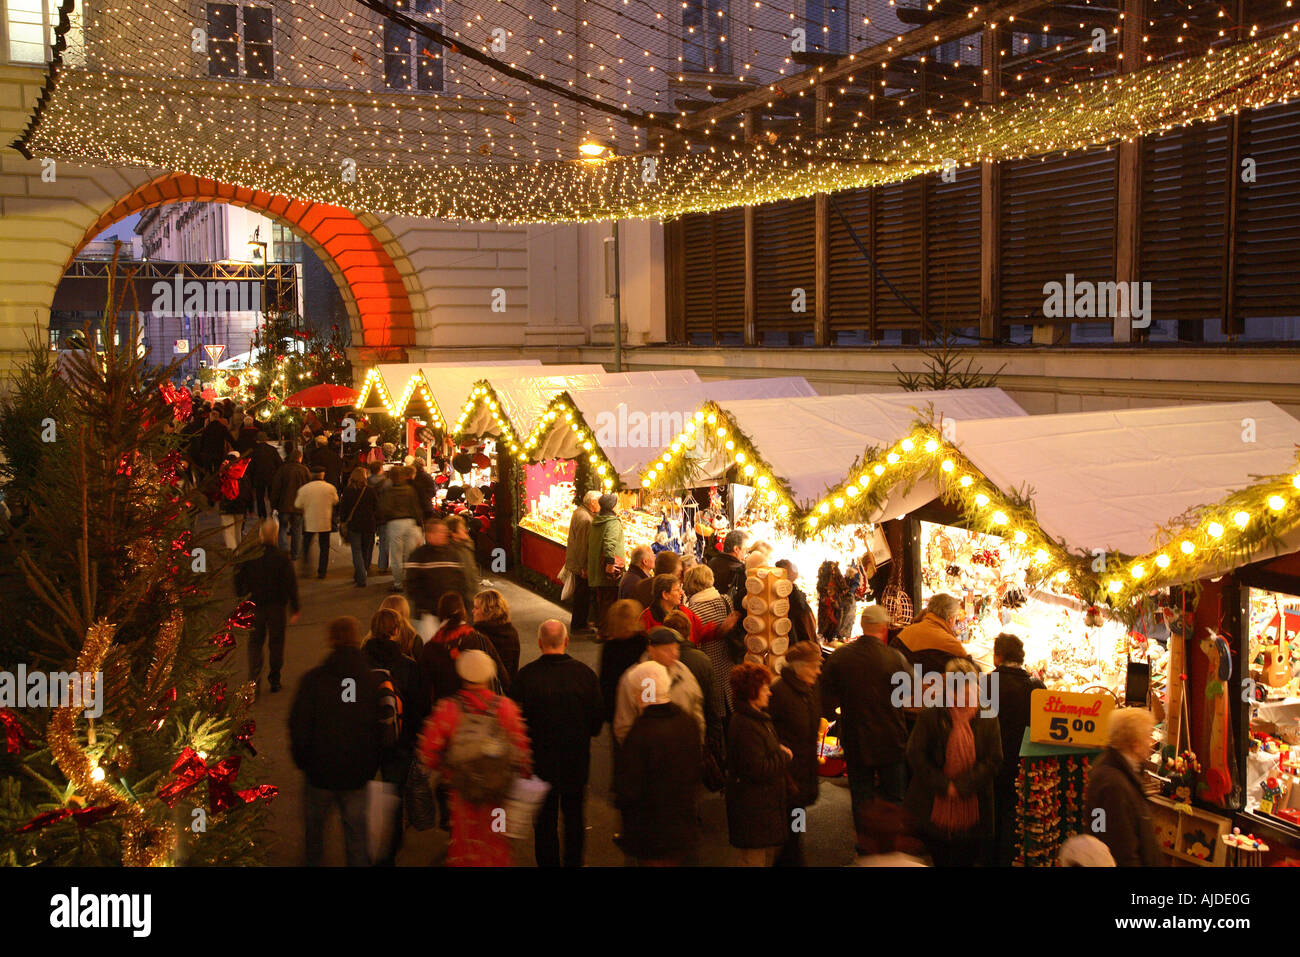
(1276, 503)
(879, 470)
(1215, 529)
(824, 508)
(1114, 586)
(1020, 537)
(981, 499)
(966, 481)
(948, 465)
(852, 491)
(1187, 547)
(999, 518)
(1241, 519)
(1137, 571)
(908, 445)
(97, 774)
(1162, 560)
(931, 445)
(1041, 556)
(891, 458)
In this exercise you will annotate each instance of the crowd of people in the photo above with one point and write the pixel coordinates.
(686, 711)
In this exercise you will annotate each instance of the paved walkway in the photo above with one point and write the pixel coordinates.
(829, 841)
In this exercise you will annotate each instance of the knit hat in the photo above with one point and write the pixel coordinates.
(476, 667)
(609, 503)
(650, 678)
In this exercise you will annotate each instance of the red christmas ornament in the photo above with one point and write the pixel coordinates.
(233, 382)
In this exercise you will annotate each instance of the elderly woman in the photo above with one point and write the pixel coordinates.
(757, 820)
(709, 606)
(954, 752)
(1115, 790)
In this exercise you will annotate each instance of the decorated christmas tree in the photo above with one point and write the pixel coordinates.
(146, 759)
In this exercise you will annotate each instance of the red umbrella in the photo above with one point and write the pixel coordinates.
(322, 397)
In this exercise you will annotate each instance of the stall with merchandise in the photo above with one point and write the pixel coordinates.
(499, 410)
(776, 458)
(600, 439)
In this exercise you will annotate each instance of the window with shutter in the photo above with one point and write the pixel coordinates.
(898, 242)
(784, 241)
(1183, 194)
(1058, 217)
(713, 277)
(851, 276)
(953, 250)
(1268, 215)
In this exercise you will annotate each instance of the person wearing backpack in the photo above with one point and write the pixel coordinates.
(476, 740)
(399, 687)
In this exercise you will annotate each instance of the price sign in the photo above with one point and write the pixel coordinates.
(1069, 718)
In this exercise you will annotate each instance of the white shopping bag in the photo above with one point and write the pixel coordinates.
(382, 802)
(526, 797)
(567, 579)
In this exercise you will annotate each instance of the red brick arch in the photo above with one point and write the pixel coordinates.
(371, 285)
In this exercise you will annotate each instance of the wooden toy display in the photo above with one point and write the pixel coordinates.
(767, 616)
(1049, 790)
(1244, 850)
(1189, 835)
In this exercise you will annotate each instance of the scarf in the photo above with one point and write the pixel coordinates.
(954, 814)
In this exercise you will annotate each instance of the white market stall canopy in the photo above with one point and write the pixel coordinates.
(1109, 480)
(520, 402)
(630, 426)
(394, 377)
(439, 391)
(810, 444)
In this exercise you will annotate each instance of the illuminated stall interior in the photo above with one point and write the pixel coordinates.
(601, 439)
(771, 459)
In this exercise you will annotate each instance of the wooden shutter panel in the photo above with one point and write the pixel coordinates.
(784, 249)
(713, 274)
(1183, 194)
(851, 276)
(1268, 214)
(898, 254)
(1058, 217)
(953, 247)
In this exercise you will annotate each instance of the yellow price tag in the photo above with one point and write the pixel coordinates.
(1069, 718)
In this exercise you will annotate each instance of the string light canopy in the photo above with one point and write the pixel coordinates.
(483, 399)
(416, 387)
(479, 112)
(563, 416)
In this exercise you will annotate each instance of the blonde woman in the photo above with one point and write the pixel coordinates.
(709, 606)
(492, 619)
(407, 638)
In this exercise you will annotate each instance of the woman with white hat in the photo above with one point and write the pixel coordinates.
(477, 741)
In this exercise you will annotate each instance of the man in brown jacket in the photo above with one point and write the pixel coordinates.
(936, 630)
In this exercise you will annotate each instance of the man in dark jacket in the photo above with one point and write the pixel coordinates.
(388, 663)
(426, 489)
(214, 442)
(334, 736)
(857, 681)
(379, 483)
(640, 569)
(1114, 806)
(290, 477)
(269, 580)
(1014, 685)
(435, 568)
(729, 564)
(325, 458)
(265, 463)
(658, 774)
(560, 700)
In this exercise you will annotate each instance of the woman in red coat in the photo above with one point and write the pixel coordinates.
(477, 840)
(666, 596)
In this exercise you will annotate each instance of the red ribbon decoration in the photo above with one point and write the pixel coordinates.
(191, 770)
(15, 736)
(84, 817)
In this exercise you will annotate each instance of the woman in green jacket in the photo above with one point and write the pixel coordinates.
(606, 558)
